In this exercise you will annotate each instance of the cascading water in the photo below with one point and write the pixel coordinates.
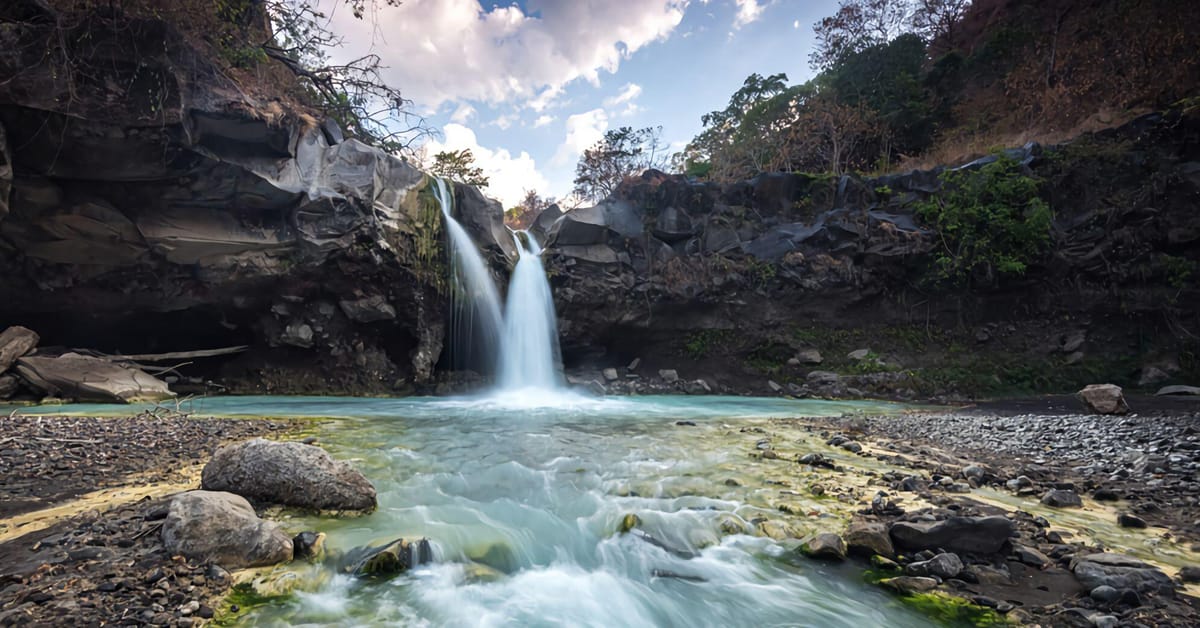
(475, 323)
(529, 354)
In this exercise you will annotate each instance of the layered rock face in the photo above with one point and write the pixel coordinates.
(765, 270)
(149, 203)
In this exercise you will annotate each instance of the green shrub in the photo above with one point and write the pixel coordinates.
(989, 223)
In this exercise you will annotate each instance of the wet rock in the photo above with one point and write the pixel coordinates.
(866, 538)
(974, 472)
(1031, 557)
(972, 535)
(629, 522)
(907, 585)
(1127, 520)
(389, 559)
(1105, 594)
(669, 376)
(1190, 573)
(308, 545)
(1105, 495)
(1103, 399)
(1178, 390)
(1120, 572)
(851, 446)
(886, 564)
(291, 474)
(825, 546)
(774, 386)
(1062, 498)
(368, 309)
(84, 378)
(944, 566)
(816, 460)
(697, 387)
(224, 529)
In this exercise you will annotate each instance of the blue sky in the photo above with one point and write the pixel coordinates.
(528, 85)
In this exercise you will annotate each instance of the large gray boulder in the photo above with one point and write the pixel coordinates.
(223, 528)
(867, 538)
(969, 535)
(1120, 572)
(290, 474)
(1103, 399)
(84, 378)
(16, 341)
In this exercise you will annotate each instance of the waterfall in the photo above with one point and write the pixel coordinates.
(529, 353)
(475, 321)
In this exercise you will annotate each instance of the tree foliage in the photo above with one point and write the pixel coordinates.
(522, 216)
(622, 153)
(989, 223)
(458, 165)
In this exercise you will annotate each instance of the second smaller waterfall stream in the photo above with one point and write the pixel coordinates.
(529, 353)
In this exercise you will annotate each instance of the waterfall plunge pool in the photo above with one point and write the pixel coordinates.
(536, 488)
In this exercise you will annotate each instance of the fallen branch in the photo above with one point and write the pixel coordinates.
(176, 355)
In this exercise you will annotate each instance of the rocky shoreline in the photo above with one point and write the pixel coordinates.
(968, 513)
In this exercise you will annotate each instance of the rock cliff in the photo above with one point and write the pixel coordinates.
(148, 202)
(736, 283)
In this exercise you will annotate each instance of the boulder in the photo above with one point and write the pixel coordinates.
(298, 335)
(1120, 572)
(8, 385)
(368, 309)
(85, 378)
(825, 546)
(610, 374)
(1062, 498)
(867, 538)
(673, 225)
(15, 342)
(1126, 520)
(822, 378)
(669, 376)
(1178, 390)
(966, 535)
(388, 559)
(858, 355)
(290, 474)
(223, 528)
(1103, 399)
(944, 566)
(907, 585)
(809, 356)
(697, 387)
(582, 226)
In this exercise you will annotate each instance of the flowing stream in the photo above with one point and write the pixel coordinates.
(538, 495)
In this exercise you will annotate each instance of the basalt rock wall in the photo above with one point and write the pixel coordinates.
(148, 203)
(731, 282)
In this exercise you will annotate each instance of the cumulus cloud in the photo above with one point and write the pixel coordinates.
(448, 50)
(542, 121)
(509, 176)
(583, 131)
(625, 100)
(462, 114)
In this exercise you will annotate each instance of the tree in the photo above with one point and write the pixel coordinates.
(857, 25)
(935, 21)
(523, 215)
(353, 93)
(748, 135)
(624, 152)
(989, 223)
(830, 133)
(458, 165)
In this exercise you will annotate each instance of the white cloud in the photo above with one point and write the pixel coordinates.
(796, 24)
(462, 114)
(748, 11)
(542, 121)
(627, 94)
(583, 131)
(508, 176)
(504, 122)
(449, 50)
(626, 97)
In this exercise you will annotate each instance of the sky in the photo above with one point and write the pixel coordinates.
(529, 85)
